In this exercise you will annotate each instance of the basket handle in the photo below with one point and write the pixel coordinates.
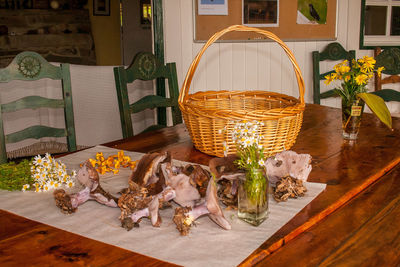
(189, 76)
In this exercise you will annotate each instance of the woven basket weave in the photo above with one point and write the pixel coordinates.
(211, 115)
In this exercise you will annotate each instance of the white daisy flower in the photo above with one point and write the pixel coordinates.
(70, 183)
(37, 160)
(225, 148)
(25, 187)
(45, 188)
(261, 162)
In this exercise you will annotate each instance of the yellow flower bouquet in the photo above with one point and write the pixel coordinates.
(353, 92)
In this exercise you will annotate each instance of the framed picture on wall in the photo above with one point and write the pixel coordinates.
(101, 7)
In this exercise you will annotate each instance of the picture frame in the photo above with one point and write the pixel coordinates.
(101, 7)
(260, 13)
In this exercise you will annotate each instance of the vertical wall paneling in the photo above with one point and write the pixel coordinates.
(238, 67)
(301, 57)
(342, 21)
(287, 72)
(263, 66)
(275, 59)
(211, 56)
(308, 70)
(199, 78)
(353, 24)
(251, 66)
(225, 66)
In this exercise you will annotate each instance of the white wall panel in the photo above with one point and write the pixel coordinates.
(199, 78)
(225, 63)
(288, 73)
(299, 51)
(264, 77)
(251, 66)
(275, 61)
(238, 66)
(211, 56)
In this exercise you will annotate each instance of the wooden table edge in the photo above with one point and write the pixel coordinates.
(260, 254)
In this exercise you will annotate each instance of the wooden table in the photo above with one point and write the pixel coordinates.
(355, 221)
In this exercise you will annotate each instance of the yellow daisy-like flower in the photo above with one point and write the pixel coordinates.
(379, 71)
(354, 64)
(330, 78)
(361, 79)
(344, 69)
(367, 68)
(367, 60)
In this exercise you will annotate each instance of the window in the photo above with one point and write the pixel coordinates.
(380, 23)
(145, 12)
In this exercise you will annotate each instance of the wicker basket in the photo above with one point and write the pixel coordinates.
(210, 115)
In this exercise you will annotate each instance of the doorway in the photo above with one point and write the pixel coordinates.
(136, 28)
(142, 31)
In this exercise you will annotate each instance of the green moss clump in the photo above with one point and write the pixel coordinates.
(14, 175)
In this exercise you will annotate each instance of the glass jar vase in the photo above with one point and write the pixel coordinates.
(352, 111)
(253, 197)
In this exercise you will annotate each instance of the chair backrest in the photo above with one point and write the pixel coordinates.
(390, 59)
(333, 52)
(30, 66)
(146, 66)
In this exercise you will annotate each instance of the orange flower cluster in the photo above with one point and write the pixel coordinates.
(112, 163)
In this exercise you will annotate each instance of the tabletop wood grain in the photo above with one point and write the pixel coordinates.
(355, 221)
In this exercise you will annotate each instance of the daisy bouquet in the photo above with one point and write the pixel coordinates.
(251, 158)
(48, 173)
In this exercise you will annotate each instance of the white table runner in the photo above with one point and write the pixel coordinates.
(206, 245)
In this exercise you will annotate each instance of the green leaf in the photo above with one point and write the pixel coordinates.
(339, 92)
(378, 107)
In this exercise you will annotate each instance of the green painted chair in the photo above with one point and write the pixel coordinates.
(146, 66)
(30, 66)
(390, 59)
(333, 52)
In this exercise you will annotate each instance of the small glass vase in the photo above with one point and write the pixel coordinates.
(253, 197)
(352, 111)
